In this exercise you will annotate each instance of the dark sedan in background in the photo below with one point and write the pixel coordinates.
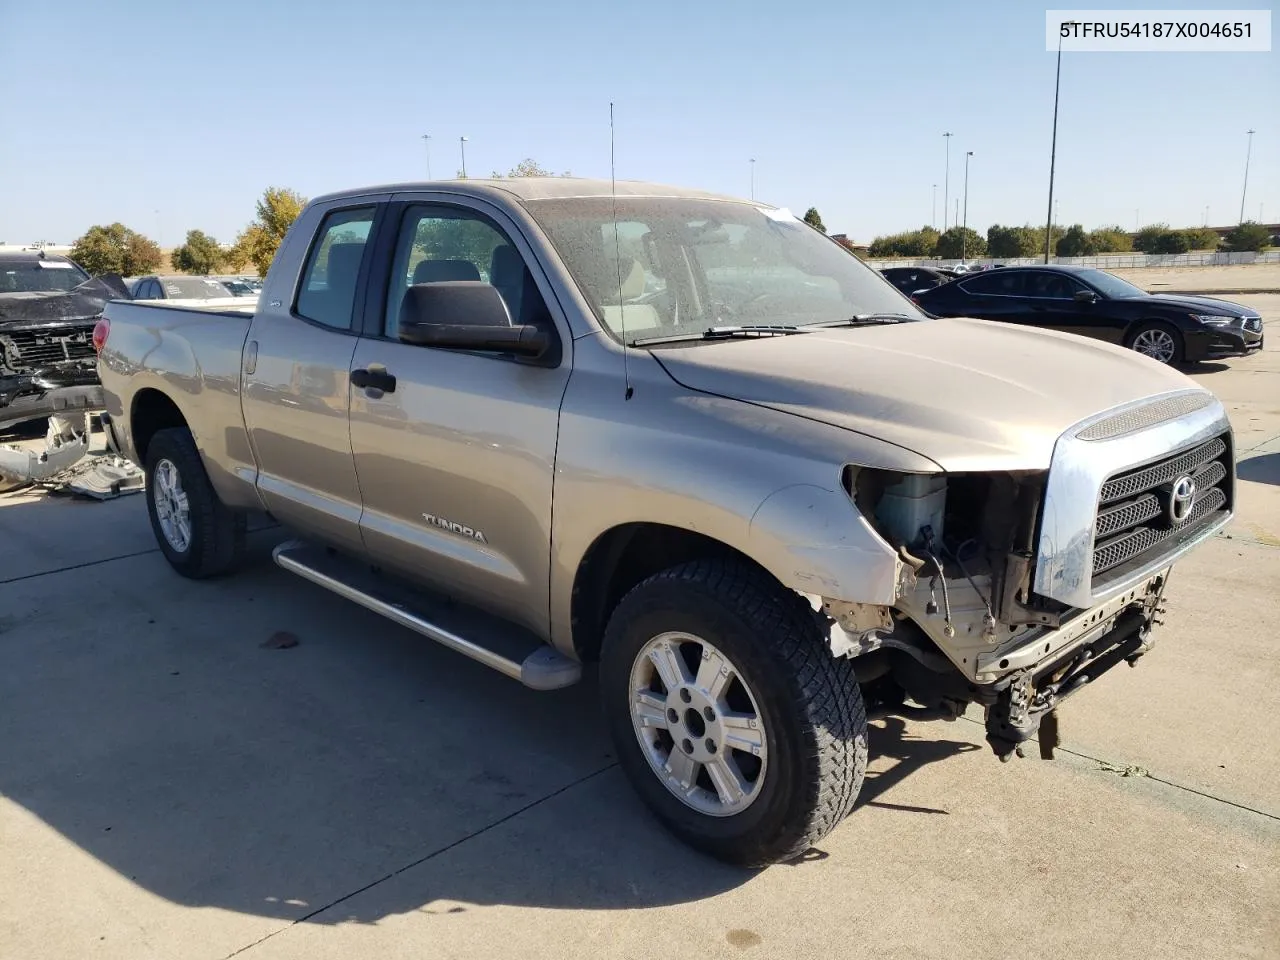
(1169, 328)
(911, 279)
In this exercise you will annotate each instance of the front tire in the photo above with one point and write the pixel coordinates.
(729, 715)
(1159, 341)
(198, 534)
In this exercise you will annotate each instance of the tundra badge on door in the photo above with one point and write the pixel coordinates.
(459, 528)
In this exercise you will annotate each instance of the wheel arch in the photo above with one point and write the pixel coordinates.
(151, 411)
(623, 556)
(1131, 332)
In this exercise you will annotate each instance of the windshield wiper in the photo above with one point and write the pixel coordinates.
(867, 320)
(721, 333)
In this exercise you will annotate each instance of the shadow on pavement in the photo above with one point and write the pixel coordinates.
(159, 729)
(1260, 469)
(1206, 366)
(891, 740)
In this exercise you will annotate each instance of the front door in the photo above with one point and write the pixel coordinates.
(296, 395)
(455, 461)
(1049, 298)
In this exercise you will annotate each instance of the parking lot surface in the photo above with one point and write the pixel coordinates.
(176, 783)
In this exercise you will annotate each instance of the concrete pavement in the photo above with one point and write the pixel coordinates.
(171, 788)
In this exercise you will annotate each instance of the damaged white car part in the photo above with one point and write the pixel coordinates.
(64, 464)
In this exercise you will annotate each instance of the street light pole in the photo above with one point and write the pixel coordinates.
(1245, 188)
(753, 178)
(1053, 154)
(462, 145)
(964, 226)
(946, 183)
(426, 139)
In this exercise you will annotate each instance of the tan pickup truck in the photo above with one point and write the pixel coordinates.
(552, 422)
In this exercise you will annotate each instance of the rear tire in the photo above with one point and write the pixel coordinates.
(1159, 341)
(754, 750)
(197, 533)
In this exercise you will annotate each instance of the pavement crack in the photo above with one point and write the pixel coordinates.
(423, 859)
(1134, 770)
(79, 566)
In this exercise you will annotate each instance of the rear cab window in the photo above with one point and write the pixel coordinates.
(327, 293)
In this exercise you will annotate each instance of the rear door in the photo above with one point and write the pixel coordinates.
(296, 395)
(455, 462)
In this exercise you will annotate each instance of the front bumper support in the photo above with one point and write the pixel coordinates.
(1034, 693)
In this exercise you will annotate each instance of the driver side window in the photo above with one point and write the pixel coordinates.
(442, 244)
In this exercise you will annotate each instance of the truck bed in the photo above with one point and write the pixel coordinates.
(186, 353)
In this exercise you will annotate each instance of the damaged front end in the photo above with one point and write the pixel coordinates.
(47, 362)
(48, 369)
(979, 620)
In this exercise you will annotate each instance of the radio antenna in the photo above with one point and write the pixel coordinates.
(617, 255)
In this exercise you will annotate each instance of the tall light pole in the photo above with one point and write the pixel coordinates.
(946, 183)
(933, 210)
(1245, 188)
(964, 226)
(426, 139)
(753, 178)
(1053, 153)
(462, 145)
(1206, 214)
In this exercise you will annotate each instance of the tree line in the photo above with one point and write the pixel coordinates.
(115, 248)
(1072, 241)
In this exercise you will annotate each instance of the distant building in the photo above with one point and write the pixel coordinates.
(843, 239)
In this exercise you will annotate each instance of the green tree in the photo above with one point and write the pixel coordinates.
(115, 249)
(1202, 238)
(530, 168)
(1111, 240)
(234, 258)
(961, 242)
(1074, 243)
(814, 219)
(1250, 235)
(200, 254)
(1158, 238)
(1013, 241)
(914, 243)
(258, 242)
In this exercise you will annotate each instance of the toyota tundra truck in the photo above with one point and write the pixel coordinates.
(691, 441)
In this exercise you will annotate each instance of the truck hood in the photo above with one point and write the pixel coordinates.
(39, 308)
(968, 394)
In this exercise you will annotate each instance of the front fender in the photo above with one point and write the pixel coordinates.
(815, 541)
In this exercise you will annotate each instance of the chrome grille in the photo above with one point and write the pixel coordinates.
(1135, 513)
(1129, 484)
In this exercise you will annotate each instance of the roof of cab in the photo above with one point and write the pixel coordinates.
(538, 188)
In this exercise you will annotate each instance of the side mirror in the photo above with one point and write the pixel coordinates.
(526, 341)
(465, 315)
(1085, 296)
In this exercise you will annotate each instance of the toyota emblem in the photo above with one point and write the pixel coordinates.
(1182, 498)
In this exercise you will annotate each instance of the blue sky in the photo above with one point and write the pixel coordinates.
(114, 111)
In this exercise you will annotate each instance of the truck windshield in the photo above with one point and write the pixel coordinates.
(683, 266)
(35, 276)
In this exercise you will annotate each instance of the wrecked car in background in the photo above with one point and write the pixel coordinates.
(48, 308)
